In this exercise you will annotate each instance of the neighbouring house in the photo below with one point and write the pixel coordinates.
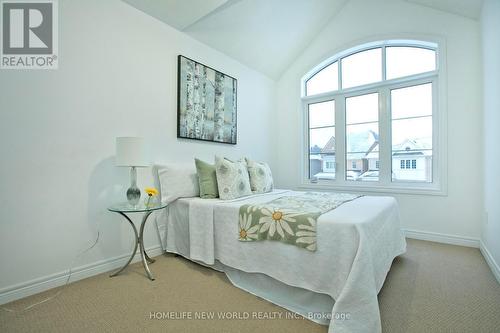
(328, 156)
(362, 151)
(360, 145)
(411, 159)
(315, 161)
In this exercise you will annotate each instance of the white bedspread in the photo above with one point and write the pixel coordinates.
(357, 243)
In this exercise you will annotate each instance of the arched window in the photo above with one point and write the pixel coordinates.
(370, 109)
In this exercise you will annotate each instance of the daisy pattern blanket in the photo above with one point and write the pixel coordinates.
(289, 219)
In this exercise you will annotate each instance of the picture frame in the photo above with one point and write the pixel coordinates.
(207, 103)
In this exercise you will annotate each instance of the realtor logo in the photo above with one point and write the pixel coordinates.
(29, 34)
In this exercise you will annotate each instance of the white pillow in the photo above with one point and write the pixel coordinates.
(261, 178)
(177, 181)
(232, 178)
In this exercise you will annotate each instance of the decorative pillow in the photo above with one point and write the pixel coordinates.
(261, 178)
(177, 181)
(207, 179)
(232, 178)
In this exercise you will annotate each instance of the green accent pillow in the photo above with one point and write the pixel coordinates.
(207, 179)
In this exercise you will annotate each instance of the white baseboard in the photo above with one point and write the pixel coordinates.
(442, 238)
(32, 287)
(457, 240)
(36, 286)
(495, 268)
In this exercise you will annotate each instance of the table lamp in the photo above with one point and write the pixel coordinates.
(130, 152)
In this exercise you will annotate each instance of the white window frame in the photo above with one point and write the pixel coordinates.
(385, 183)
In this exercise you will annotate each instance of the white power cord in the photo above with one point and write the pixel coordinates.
(65, 284)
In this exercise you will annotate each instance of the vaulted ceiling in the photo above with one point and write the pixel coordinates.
(267, 35)
(467, 8)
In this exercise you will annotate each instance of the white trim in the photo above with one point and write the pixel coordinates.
(38, 285)
(382, 43)
(364, 89)
(457, 240)
(403, 188)
(495, 268)
(442, 238)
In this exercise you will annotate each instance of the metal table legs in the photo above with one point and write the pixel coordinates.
(139, 241)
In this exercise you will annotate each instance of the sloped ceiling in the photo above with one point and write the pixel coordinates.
(467, 8)
(177, 13)
(266, 35)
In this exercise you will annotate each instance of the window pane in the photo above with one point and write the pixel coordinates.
(362, 137)
(322, 114)
(362, 152)
(322, 153)
(412, 129)
(325, 80)
(320, 136)
(362, 109)
(362, 68)
(412, 149)
(413, 101)
(403, 61)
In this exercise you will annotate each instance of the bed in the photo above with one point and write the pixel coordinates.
(336, 285)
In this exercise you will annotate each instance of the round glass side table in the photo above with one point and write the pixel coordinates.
(123, 209)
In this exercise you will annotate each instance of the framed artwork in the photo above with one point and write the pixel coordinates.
(206, 103)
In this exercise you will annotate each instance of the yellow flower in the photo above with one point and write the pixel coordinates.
(151, 191)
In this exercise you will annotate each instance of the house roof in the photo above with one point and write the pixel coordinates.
(329, 148)
(361, 141)
(359, 144)
(365, 144)
(413, 147)
(373, 154)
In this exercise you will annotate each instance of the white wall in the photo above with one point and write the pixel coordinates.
(117, 76)
(458, 213)
(491, 82)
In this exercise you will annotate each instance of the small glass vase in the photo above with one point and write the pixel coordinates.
(149, 201)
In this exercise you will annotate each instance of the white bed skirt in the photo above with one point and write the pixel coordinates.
(316, 307)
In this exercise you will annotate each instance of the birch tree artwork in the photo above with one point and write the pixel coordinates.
(207, 103)
(219, 107)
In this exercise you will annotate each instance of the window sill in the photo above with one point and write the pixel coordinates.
(406, 189)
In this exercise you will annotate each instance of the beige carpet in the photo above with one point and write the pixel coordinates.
(432, 288)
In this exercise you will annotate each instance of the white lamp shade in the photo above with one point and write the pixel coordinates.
(130, 151)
